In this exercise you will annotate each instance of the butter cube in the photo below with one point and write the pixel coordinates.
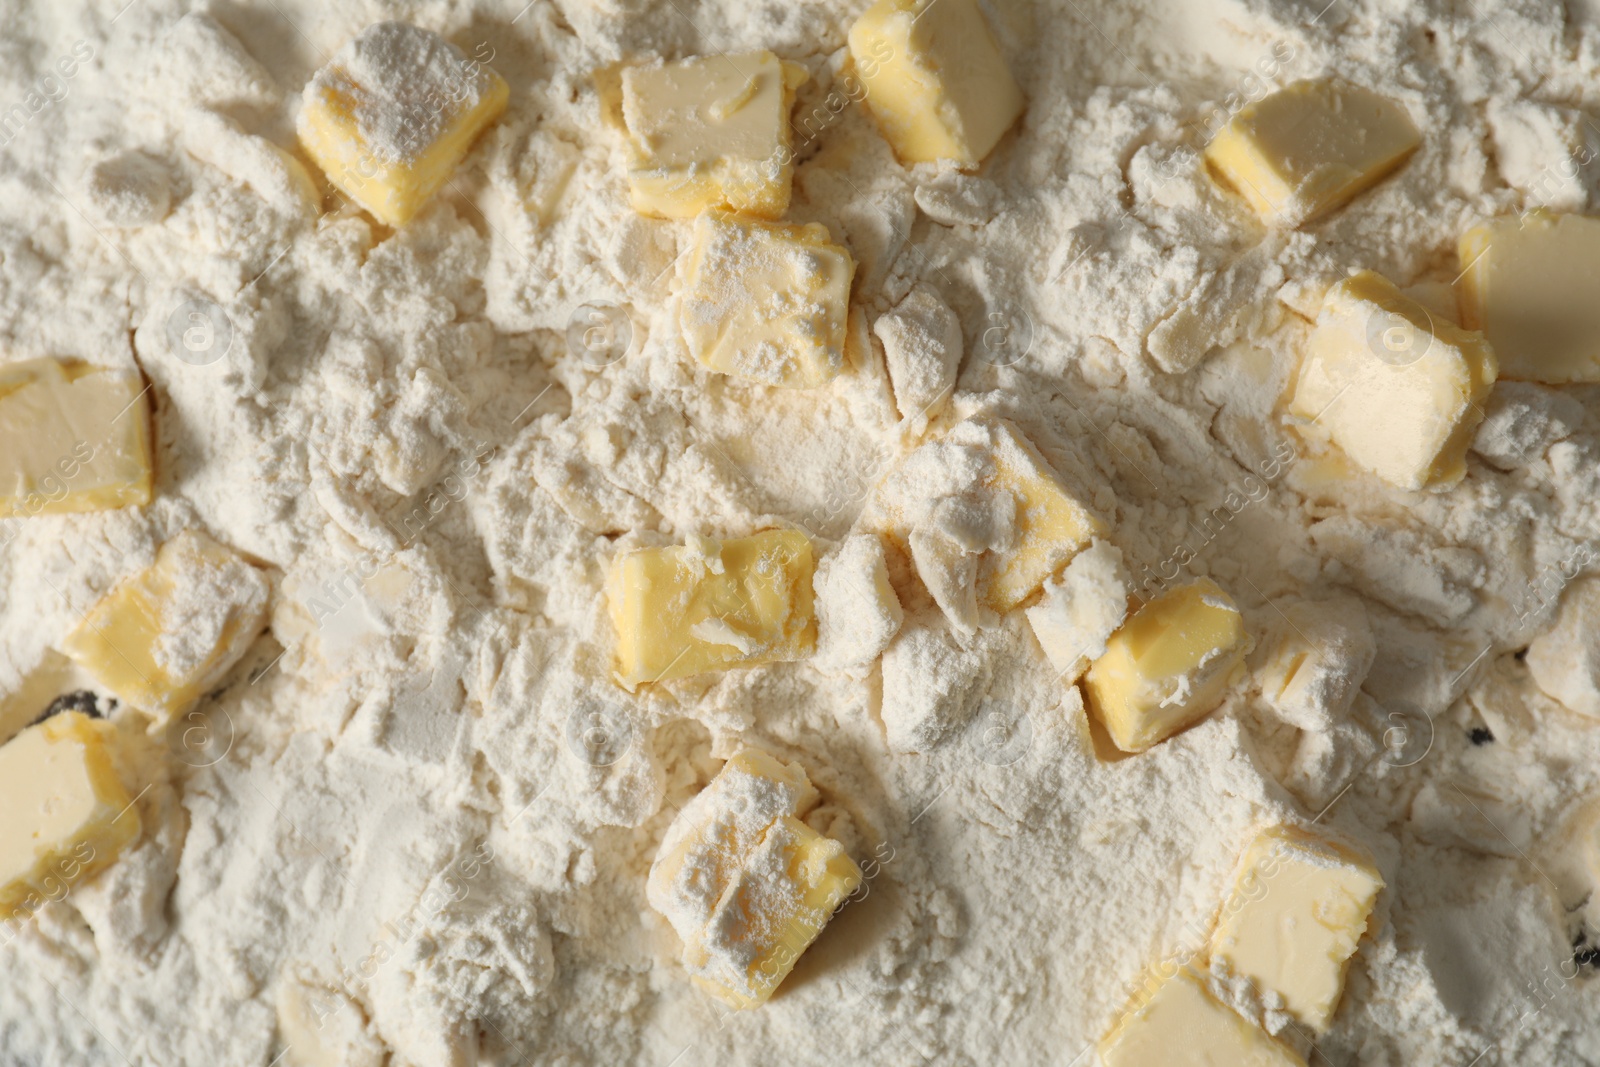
(1168, 666)
(766, 302)
(64, 813)
(1175, 1020)
(393, 113)
(935, 79)
(1564, 660)
(711, 605)
(72, 438)
(160, 639)
(1399, 391)
(984, 516)
(1528, 283)
(1050, 523)
(711, 133)
(746, 884)
(1297, 911)
(1310, 148)
(1322, 655)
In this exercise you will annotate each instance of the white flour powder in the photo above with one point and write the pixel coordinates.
(429, 824)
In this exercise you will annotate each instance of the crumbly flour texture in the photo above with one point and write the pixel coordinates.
(415, 826)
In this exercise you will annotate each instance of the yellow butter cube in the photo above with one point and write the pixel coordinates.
(72, 438)
(1528, 283)
(766, 302)
(1397, 389)
(935, 79)
(711, 133)
(64, 813)
(1168, 666)
(746, 884)
(1174, 1019)
(1297, 911)
(711, 605)
(393, 113)
(160, 639)
(1311, 147)
(1051, 525)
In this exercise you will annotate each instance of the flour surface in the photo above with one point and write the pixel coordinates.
(422, 811)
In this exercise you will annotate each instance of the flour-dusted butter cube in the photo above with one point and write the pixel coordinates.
(1318, 662)
(1168, 666)
(72, 438)
(711, 133)
(935, 79)
(1050, 524)
(1399, 391)
(393, 113)
(1528, 282)
(1564, 661)
(1080, 611)
(985, 518)
(1311, 147)
(161, 638)
(64, 813)
(766, 302)
(711, 605)
(1174, 1019)
(1298, 910)
(746, 884)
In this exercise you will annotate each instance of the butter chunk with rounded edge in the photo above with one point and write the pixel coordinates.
(1528, 282)
(1168, 666)
(73, 437)
(1297, 912)
(745, 884)
(710, 605)
(1174, 1019)
(64, 813)
(161, 638)
(1310, 148)
(935, 79)
(711, 133)
(1398, 390)
(393, 113)
(766, 302)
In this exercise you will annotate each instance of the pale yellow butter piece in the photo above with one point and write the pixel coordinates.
(64, 813)
(393, 113)
(1311, 147)
(1174, 1019)
(1051, 524)
(935, 79)
(72, 438)
(1297, 912)
(711, 133)
(746, 884)
(159, 639)
(1529, 283)
(1398, 390)
(710, 605)
(766, 302)
(1168, 666)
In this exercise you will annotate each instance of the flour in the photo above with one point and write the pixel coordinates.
(432, 821)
